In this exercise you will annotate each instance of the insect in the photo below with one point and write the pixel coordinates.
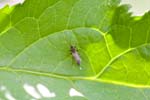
(75, 54)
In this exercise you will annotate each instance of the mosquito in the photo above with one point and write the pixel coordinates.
(75, 54)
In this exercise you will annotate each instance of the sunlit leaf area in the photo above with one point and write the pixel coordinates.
(73, 50)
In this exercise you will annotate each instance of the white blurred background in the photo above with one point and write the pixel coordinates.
(9, 2)
(139, 7)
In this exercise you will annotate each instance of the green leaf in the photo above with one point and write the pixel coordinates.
(35, 57)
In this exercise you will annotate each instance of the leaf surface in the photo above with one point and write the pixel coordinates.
(35, 55)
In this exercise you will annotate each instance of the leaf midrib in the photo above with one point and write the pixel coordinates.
(63, 76)
(72, 78)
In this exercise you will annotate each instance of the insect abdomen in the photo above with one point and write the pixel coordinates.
(76, 57)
